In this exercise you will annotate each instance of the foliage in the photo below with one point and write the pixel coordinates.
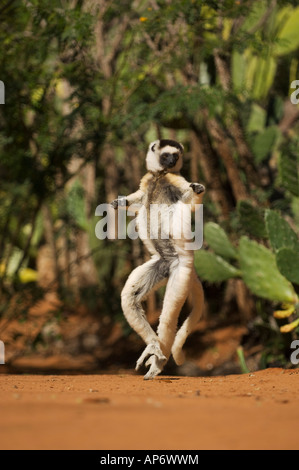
(89, 84)
(268, 273)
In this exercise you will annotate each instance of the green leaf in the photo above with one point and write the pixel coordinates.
(289, 171)
(263, 143)
(264, 75)
(28, 275)
(288, 38)
(252, 219)
(257, 119)
(288, 263)
(213, 268)
(238, 70)
(76, 206)
(280, 232)
(254, 14)
(217, 239)
(243, 365)
(260, 273)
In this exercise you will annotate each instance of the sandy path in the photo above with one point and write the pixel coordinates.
(251, 411)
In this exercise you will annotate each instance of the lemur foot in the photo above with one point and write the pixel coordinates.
(156, 366)
(197, 188)
(179, 357)
(153, 350)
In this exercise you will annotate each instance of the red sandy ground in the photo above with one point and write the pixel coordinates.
(251, 411)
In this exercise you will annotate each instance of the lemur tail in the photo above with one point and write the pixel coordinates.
(190, 322)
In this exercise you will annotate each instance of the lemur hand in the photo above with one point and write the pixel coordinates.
(120, 201)
(197, 188)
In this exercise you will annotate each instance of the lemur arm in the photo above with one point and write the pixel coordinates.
(134, 198)
(192, 193)
(125, 201)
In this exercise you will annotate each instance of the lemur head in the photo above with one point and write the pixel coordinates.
(164, 155)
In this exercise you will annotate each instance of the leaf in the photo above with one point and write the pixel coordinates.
(260, 273)
(243, 365)
(288, 38)
(280, 232)
(254, 14)
(75, 205)
(263, 143)
(252, 219)
(286, 313)
(28, 275)
(238, 70)
(213, 268)
(257, 119)
(287, 261)
(264, 75)
(14, 261)
(289, 326)
(218, 240)
(289, 171)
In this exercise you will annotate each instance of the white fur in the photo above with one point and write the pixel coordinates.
(152, 157)
(182, 278)
(152, 162)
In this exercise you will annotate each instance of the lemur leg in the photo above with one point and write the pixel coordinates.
(197, 295)
(175, 296)
(140, 282)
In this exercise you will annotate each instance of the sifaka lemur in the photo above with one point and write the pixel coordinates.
(170, 261)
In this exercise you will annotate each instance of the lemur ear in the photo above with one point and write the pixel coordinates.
(153, 147)
(182, 146)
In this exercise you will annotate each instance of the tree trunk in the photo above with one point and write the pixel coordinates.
(209, 165)
(222, 146)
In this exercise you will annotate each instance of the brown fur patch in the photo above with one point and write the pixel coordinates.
(174, 179)
(145, 181)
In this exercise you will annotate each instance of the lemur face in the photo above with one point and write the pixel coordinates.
(164, 155)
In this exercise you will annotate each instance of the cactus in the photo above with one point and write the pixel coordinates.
(257, 264)
(287, 311)
(213, 268)
(287, 35)
(268, 274)
(265, 273)
(287, 261)
(280, 232)
(284, 242)
(289, 171)
(217, 239)
(252, 219)
(260, 273)
(289, 326)
(263, 143)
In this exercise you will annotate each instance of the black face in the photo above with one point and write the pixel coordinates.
(168, 160)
